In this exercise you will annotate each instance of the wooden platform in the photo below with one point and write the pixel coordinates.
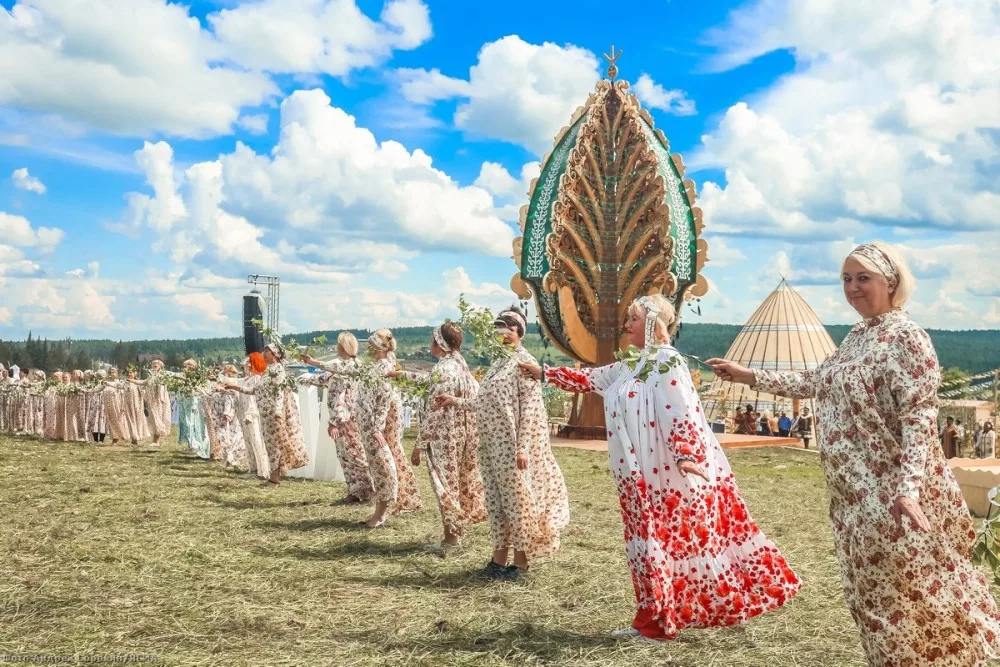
(727, 440)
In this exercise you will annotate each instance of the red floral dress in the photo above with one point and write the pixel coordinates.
(697, 557)
(916, 597)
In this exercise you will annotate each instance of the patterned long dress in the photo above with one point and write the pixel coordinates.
(249, 416)
(50, 412)
(157, 400)
(528, 508)
(450, 439)
(916, 597)
(40, 417)
(74, 430)
(135, 416)
(697, 557)
(342, 402)
(228, 431)
(191, 429)
(380, 423)
(114, 405)
(97, 415)
(281, 422)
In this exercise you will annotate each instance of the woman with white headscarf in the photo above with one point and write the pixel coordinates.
(525, 492)
(698, 560)
(448, 437)
(902, 531)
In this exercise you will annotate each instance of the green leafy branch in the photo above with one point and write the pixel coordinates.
(633, 356)
(478, 322)
(986, 548)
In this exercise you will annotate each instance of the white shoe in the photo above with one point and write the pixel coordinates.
(626, 633)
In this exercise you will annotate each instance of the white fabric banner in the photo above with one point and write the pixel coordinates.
(309, 411)
(327, 464)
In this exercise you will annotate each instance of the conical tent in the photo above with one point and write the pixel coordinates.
(783, 334)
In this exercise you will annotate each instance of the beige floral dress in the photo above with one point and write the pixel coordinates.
(342, 402)
(380, 423)
(449, 437)
(157, 400)
(916, 597)
(528, 508)
(135, 415)
(280, 421)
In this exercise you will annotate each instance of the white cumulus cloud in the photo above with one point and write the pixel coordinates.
(673, 101)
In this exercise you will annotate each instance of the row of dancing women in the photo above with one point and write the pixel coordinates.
(901, 529)
(81, 406)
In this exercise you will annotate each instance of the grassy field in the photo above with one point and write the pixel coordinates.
(156, 553)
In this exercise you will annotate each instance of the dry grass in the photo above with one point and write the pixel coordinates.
(158, 553)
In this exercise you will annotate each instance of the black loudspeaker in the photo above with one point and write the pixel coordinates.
(253, 309)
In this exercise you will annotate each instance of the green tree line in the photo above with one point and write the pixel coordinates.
(969, 351)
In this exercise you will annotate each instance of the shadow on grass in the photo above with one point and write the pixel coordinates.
(310, 525)
(361, 548)
(523, 643)
(430, 578)
(263, 503)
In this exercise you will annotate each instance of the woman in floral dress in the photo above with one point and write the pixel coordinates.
(281, 423)
(228, 430)
(249, 416)
(526, 499)
(157, 400)
(342, 401)
(698, 559)
(448, 435)
(135, 414)
(902, 531)
(380, 424)
(191, 428)
(97, 414)
(114, 405)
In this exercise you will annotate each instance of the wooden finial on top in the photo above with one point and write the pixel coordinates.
(612, 58)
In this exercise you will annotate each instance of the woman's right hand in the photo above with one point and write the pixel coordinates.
(445, 401)
(732, 371)
(530, 370)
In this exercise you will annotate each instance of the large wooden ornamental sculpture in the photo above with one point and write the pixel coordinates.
(609, 218)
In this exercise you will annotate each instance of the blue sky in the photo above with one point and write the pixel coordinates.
(374, 154)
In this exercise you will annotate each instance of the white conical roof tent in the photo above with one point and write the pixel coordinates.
(783, 334)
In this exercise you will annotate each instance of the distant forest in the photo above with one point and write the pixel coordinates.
(971, 351)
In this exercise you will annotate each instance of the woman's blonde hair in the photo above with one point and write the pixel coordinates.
(190, 362)
(665, 313)
(387, 339)
(348, 344)
(905, 282)
(230, 369)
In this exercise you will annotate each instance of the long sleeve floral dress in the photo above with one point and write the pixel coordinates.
(114, 404)
(342, 402)
(135, 415)
(157, 400)
(916, 597)
(249, 416)
(191, 428)
(280, 420)
(697, 557)
(449, 436)
(226, 432)
(527, 509)
(380, 424)
(97, 415)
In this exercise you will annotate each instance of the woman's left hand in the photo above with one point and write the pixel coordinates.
(691, 468)
(909, 507)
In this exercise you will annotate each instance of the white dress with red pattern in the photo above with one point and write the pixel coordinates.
(697, 558)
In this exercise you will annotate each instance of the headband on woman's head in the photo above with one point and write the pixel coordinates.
(378, 343)
(517, 318)
(275, 350)
(880, 261)
(439, 339)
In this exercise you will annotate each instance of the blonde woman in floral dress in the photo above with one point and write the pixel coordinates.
(134, 411)
(342, 401)
(697, 558)
(157, 400)
(228, 430)
(902, 531)
(380, 424)
(448, 436)
(526, 499)
(97, 414)
(281, 422)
